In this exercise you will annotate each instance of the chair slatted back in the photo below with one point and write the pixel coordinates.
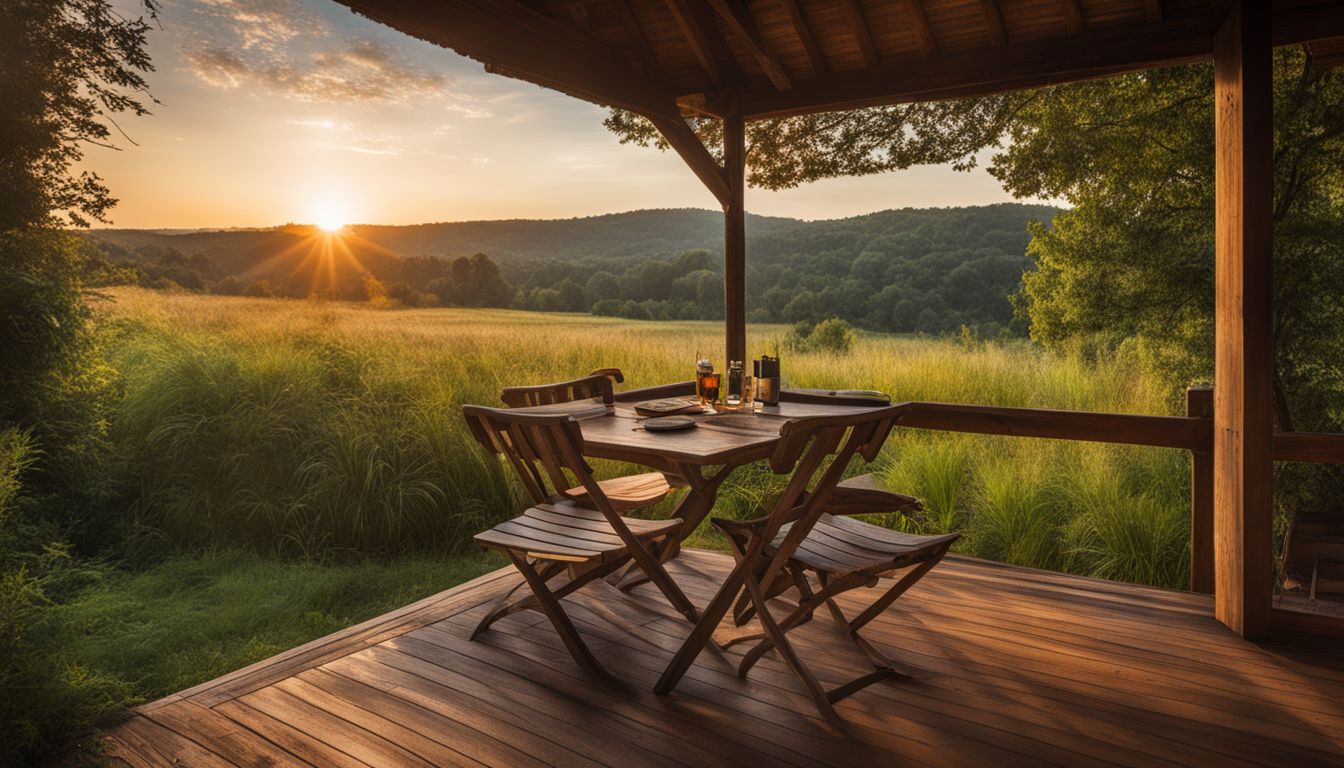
(595, 385)
(541, 448)
(545, 450)
(805, 445)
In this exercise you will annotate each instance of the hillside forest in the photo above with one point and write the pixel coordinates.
(909, 271)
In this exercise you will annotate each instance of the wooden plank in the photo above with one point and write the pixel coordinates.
(738, 18)
(222, 735)
(858, 26)
(1301, 623)
(1199, 404)
(410, 727)
(362, 735)
(735, 238)
(141, 741)
(1073, 15)
(998, 35)
(1243, 465)
(288, 736)
(919, 25)
(806, 37)
(1318, 447)
(1158, 431)
(377, 629)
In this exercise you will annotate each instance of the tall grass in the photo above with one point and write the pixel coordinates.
(310, 429)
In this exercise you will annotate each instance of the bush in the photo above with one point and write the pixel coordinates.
(833, 336)
(46, 705)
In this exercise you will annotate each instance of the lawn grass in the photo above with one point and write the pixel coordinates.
(195, 617)
(314, 430)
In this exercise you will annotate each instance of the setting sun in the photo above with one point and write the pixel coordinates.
(329, 217)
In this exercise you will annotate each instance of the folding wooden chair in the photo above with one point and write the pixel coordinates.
(801, 535)
(557, 534)
(628, 493)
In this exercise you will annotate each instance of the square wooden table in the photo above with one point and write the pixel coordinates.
(719, 444)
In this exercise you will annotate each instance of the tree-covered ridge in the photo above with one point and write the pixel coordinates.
(910, 270)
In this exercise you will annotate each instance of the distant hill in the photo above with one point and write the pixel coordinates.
(909, 269)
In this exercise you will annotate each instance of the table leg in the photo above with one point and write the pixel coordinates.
(699, 500)
(704, 629)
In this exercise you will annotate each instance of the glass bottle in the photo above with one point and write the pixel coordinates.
(734, 397)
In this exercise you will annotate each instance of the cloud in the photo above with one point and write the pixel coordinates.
(283, 48)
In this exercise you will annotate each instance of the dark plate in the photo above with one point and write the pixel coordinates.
(669, 423)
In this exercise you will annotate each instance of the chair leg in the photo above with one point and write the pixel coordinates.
(659, 576)
(503, 607)
(550, 606)
(775, 635)
(800, 615)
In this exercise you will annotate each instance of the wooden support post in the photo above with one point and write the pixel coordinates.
(1243, 425)
(735, 237)
(1199, 404)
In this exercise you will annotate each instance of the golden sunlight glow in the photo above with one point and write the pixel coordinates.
(329, 217)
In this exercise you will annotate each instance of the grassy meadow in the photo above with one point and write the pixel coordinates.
(280, 469)
(322, 431)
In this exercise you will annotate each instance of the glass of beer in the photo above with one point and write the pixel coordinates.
(709, 390)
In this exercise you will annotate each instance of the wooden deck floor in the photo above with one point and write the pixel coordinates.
(1023, 668)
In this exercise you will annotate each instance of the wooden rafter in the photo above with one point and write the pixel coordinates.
(919, 24)
(634, 33)
(1154, 10)
(986, 70)
(738, 18)
(998, 34)
(803, 30)
(532, 47)
(1073, 16)
(705, 41)
(515, 39)
(859, 26)
(681, 138)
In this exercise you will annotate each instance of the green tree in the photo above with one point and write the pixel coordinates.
(1133, 258)
(66, 68)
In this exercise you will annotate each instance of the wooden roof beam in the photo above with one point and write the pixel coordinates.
(988, 70)
(803, 30)
(859, 26)
(919, 24)
(634, 33)
(703, 37)
(515, 41)
(511, 38)
(738, 18)
(682, 139)
(998, 34)
(1073, 16)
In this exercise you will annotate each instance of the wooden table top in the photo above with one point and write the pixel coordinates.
(614, 432)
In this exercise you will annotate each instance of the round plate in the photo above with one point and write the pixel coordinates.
(669, 423)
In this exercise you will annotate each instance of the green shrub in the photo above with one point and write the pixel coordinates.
(47, 704)
(829, 336)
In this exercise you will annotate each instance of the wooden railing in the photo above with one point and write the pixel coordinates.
(1192, 432)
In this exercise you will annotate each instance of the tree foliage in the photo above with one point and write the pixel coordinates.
(1132, 259)
(66, 68)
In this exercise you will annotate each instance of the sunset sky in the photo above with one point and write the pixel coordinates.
(299, 110)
